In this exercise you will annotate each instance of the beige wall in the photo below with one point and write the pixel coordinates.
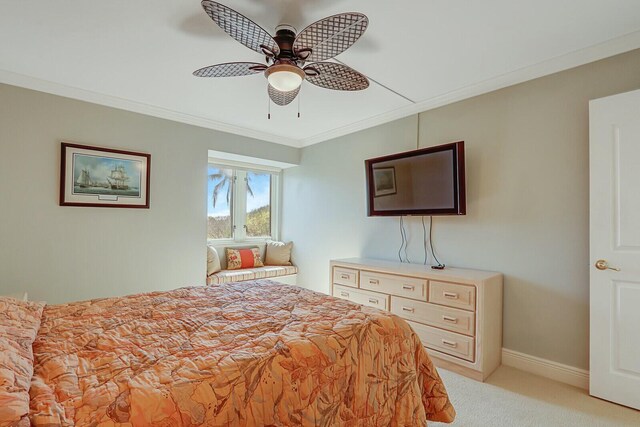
(527, 201)
(68, 253)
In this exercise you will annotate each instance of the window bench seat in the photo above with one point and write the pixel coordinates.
(285, 274)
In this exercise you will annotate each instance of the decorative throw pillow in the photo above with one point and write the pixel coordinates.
(238, 258)
(19, 324)
(213, 261)
(278, 253)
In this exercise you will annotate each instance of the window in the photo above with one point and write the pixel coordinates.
(258, 205)
(242, 203)
(220, 193)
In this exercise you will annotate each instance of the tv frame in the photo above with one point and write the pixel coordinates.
(460, 203)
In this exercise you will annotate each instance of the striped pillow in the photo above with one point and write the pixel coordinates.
(238, 258)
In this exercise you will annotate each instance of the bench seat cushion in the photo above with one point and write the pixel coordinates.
(226, 276)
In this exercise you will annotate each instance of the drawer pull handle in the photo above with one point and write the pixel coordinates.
(408, 287)
(450, 343)
(373, 301)
(344, 276)
(409, 309)
(344, 294)
(450, 319)
(451, 295)
(373, 281)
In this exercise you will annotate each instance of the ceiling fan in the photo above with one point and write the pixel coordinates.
(287, 52)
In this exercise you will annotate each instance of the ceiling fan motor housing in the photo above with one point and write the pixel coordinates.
(285, 36)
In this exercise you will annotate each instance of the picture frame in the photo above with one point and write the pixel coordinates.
(384, 181)
(104, 177)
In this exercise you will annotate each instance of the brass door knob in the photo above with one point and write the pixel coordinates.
(602, 264)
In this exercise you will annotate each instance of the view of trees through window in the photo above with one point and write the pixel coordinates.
(254, 187)
(219, 210)
(258, 204)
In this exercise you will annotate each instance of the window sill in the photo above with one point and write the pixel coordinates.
(231, 242)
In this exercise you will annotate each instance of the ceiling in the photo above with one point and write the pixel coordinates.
(419, 54)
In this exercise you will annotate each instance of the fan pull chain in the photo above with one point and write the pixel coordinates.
(299, 96)
(268, 108)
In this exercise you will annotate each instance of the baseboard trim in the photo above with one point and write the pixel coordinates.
(546, 368)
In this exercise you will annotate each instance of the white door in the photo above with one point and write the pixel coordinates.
(615, 248)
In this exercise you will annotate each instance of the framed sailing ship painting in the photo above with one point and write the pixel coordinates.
(104, 177)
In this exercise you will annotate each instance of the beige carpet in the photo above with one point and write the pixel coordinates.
(511, 397)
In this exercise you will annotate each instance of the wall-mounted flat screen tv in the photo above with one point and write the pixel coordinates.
(429, 181)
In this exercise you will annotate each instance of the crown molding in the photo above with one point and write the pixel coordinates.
(567, 61)
(28, 82)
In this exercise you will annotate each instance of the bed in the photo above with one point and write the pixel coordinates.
(238, 354)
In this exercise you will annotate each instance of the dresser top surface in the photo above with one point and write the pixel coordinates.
(416, 270)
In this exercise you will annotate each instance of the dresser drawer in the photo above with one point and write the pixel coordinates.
(453, 295)
(451, 319)
(372, 299)
(446, 342)
(409, 287)
(345, 276)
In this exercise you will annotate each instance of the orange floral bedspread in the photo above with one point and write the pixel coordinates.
(240, 354)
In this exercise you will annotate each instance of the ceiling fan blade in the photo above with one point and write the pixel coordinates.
(330, 75)
(240, 27)
(230, 69)
(282, 98)
(331, 36)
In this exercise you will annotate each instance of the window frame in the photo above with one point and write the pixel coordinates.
(238, 208)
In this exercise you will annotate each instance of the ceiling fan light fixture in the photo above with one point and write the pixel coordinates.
(284, 77)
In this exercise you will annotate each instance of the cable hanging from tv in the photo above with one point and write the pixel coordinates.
(404, 242)
(439, 266)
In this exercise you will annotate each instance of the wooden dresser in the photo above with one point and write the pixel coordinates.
(457, 313)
